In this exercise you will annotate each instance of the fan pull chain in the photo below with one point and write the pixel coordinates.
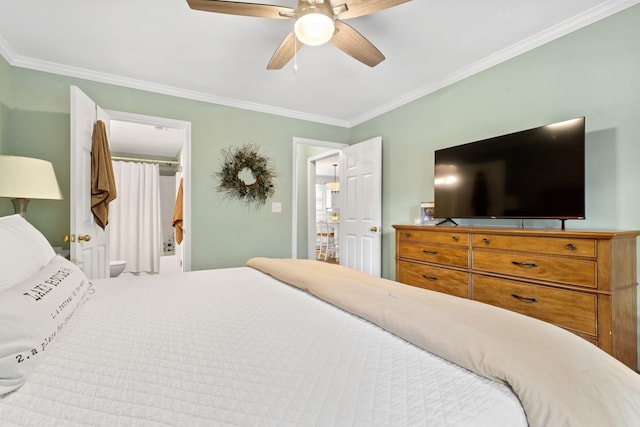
(295, 54)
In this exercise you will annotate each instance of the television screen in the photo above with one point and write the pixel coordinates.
(535, 173)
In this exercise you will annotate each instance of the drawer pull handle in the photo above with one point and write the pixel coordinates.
(570, 247)
(527, 299)
(485, 241)
(524, 264)
(407, 234)
(430, 252)
(454, 238)
(429, 277)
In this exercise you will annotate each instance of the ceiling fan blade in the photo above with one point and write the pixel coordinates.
(243, 9)
(284, 52)
(358, 8)
(353, 43)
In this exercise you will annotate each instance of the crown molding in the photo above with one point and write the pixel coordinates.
(6, 51)
(575, 23)
(54, 68)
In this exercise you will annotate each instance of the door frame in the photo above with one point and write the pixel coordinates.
(294, 185)
(186, 168)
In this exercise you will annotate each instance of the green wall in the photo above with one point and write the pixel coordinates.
(224, 232)
(5, 102)
(593, 72)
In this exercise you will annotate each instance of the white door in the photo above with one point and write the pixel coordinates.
(89, 244)
(361, 206)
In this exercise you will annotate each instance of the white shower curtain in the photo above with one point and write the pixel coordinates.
(134, 217)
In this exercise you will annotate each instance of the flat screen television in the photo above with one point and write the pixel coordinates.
(532, 174)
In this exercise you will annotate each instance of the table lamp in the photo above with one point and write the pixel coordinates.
(26, 178)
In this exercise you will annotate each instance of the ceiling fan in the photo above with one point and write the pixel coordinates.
(316, 22)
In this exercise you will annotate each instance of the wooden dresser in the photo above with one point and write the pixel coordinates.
(583, 281)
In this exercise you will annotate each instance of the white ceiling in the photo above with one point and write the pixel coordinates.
(324, 167)
(166, 47)
(145, 139)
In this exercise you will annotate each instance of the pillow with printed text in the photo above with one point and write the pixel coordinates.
(33, 315)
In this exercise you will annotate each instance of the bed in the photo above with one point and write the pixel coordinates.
(281, 342)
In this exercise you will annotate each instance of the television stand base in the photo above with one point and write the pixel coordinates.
(446, 220)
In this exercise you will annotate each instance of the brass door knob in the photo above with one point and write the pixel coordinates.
(373, 229)
(69, 238)
(84, 238)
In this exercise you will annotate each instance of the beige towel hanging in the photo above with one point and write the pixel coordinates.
(103, 185)
(177, 215)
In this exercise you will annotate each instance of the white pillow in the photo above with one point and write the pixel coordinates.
(33, 314)
(23, 250)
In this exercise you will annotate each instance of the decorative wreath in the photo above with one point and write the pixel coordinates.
(234, 162)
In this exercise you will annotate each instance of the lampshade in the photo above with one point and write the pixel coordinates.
(25, 178)
(314, 25)
(335, 185)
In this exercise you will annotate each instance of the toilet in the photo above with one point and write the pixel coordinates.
(116, 267)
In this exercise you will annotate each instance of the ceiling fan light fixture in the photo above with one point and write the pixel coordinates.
(314, 26)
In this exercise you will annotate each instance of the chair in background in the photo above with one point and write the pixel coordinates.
(333, 249)
(321, 240)
(325, 241)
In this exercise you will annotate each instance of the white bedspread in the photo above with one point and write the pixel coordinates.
(236, 347)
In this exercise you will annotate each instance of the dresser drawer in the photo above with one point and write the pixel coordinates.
(560, 270)
(569, 309)
(438, 279)
(550, 245)
(452, 238)
(449, 255)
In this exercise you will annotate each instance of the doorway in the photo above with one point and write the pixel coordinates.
(303, 222)
(360, 202)
(168, 143)
(323, 189)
